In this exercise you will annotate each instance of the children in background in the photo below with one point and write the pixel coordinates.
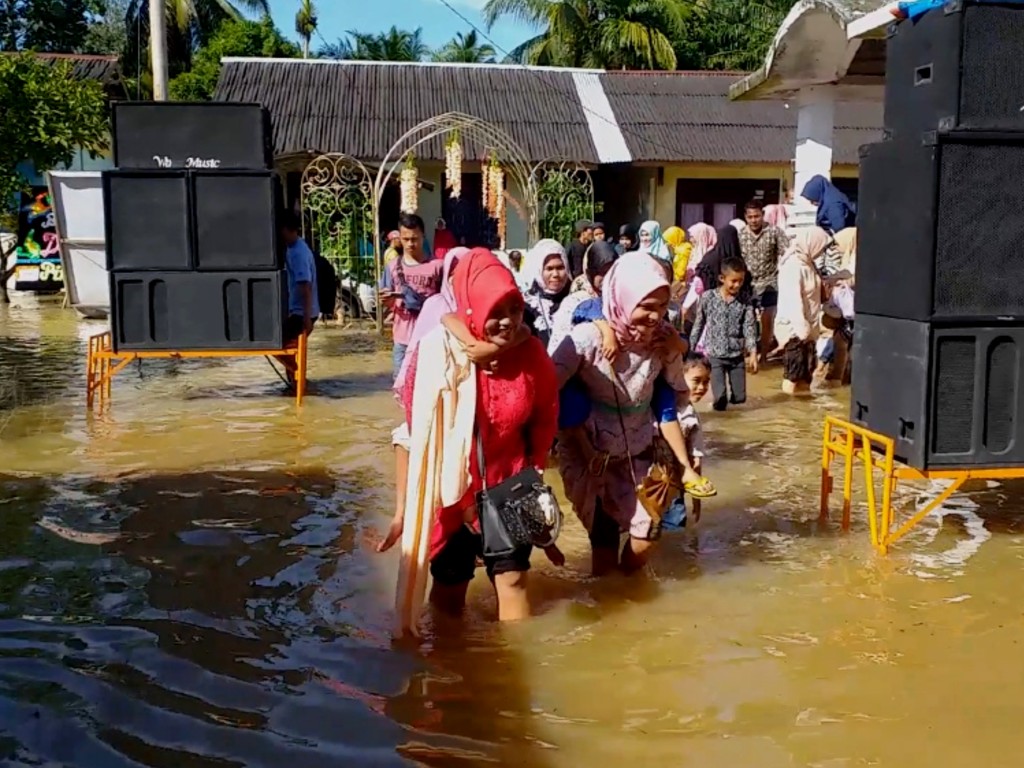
(698, 379)
(836, 336)
(574, 405)
(729, 335)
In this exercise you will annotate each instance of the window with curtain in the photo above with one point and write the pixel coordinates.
(690, 214)
(724, 213)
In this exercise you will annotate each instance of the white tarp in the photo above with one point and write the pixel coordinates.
(77, 198)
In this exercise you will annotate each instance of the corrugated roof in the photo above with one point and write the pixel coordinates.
(362, 108)
(688, 117)
(103, 68)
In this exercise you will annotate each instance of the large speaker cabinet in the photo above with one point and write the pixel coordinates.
(198, 310)
(939, 235)
(950, 396)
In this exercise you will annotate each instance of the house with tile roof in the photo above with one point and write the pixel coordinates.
(666, 145)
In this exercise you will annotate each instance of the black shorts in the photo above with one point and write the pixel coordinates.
(766, 299)
(294, 325)
(798, 361)
(456, 562)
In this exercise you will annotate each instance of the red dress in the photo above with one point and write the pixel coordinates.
(444, 241)
(517, 415)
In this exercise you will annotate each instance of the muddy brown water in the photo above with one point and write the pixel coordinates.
(187, 580)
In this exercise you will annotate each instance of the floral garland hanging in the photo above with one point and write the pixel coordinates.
(495, 181)
(409, 185)
(453, 164)
(485, 185)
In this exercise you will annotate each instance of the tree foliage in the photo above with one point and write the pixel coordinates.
(305, 24)
(47, 116)
(730, 34)
(465, 48)
(394, 45)
(643, 34)
(610, 34)
(108, 28)
(52, 26)
(233, 38)
(191, 25)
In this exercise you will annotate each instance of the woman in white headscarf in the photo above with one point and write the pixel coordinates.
(546, 282)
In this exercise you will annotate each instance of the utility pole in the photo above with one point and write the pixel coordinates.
(158, 47)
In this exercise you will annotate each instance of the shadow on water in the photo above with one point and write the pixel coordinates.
(222, 619)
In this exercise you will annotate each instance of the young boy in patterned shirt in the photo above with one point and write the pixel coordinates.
(728, 332)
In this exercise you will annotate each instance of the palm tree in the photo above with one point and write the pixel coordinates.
(393, 45)
(305, 24)
(465, 48)
(610, 34)
(190, 23)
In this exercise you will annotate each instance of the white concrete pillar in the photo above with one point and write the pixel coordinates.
(814, 134)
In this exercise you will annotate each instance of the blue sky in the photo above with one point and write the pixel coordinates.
(439, 24)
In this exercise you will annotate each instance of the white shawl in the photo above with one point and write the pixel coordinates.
(441, 439)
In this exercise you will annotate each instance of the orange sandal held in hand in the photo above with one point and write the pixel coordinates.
(700, 489)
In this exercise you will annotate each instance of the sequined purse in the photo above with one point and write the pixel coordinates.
(522, 511)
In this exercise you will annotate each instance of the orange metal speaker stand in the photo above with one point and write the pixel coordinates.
(854, 444)
(103, 363)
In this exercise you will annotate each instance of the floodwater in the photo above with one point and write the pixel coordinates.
(187, 581)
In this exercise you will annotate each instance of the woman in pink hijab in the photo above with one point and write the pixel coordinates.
(635, 297)
(704, 238)
(434, 308)
(776, 216)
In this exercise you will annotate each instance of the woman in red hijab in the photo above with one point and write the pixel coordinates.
(444, 240)
(516, 417)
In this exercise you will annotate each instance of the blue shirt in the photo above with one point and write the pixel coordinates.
(301, 268)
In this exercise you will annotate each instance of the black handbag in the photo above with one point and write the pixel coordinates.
(520, 512)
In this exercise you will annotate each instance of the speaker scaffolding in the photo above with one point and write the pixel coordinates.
(854, 445)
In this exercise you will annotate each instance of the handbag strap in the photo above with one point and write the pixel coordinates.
(616, 382)
(480, 457)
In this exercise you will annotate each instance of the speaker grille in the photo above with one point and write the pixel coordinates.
(978, 267)
(954, 394)
(992, 68)
(1001, 395)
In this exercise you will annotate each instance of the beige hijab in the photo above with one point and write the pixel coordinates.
(846, 241)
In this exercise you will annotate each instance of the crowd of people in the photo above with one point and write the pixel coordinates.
(595, 355)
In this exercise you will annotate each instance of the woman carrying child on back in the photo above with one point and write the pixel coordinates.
(504, 411)
(618, 425)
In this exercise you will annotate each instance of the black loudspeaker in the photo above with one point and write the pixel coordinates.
(938, 231)
(147, 219)
(950, 396)
(198, 310)
(169, 134)
(956, 67)
(235, 215)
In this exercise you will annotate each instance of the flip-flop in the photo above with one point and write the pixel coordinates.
(701, 489)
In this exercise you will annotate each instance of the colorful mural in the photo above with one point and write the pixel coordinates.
(37, 265)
